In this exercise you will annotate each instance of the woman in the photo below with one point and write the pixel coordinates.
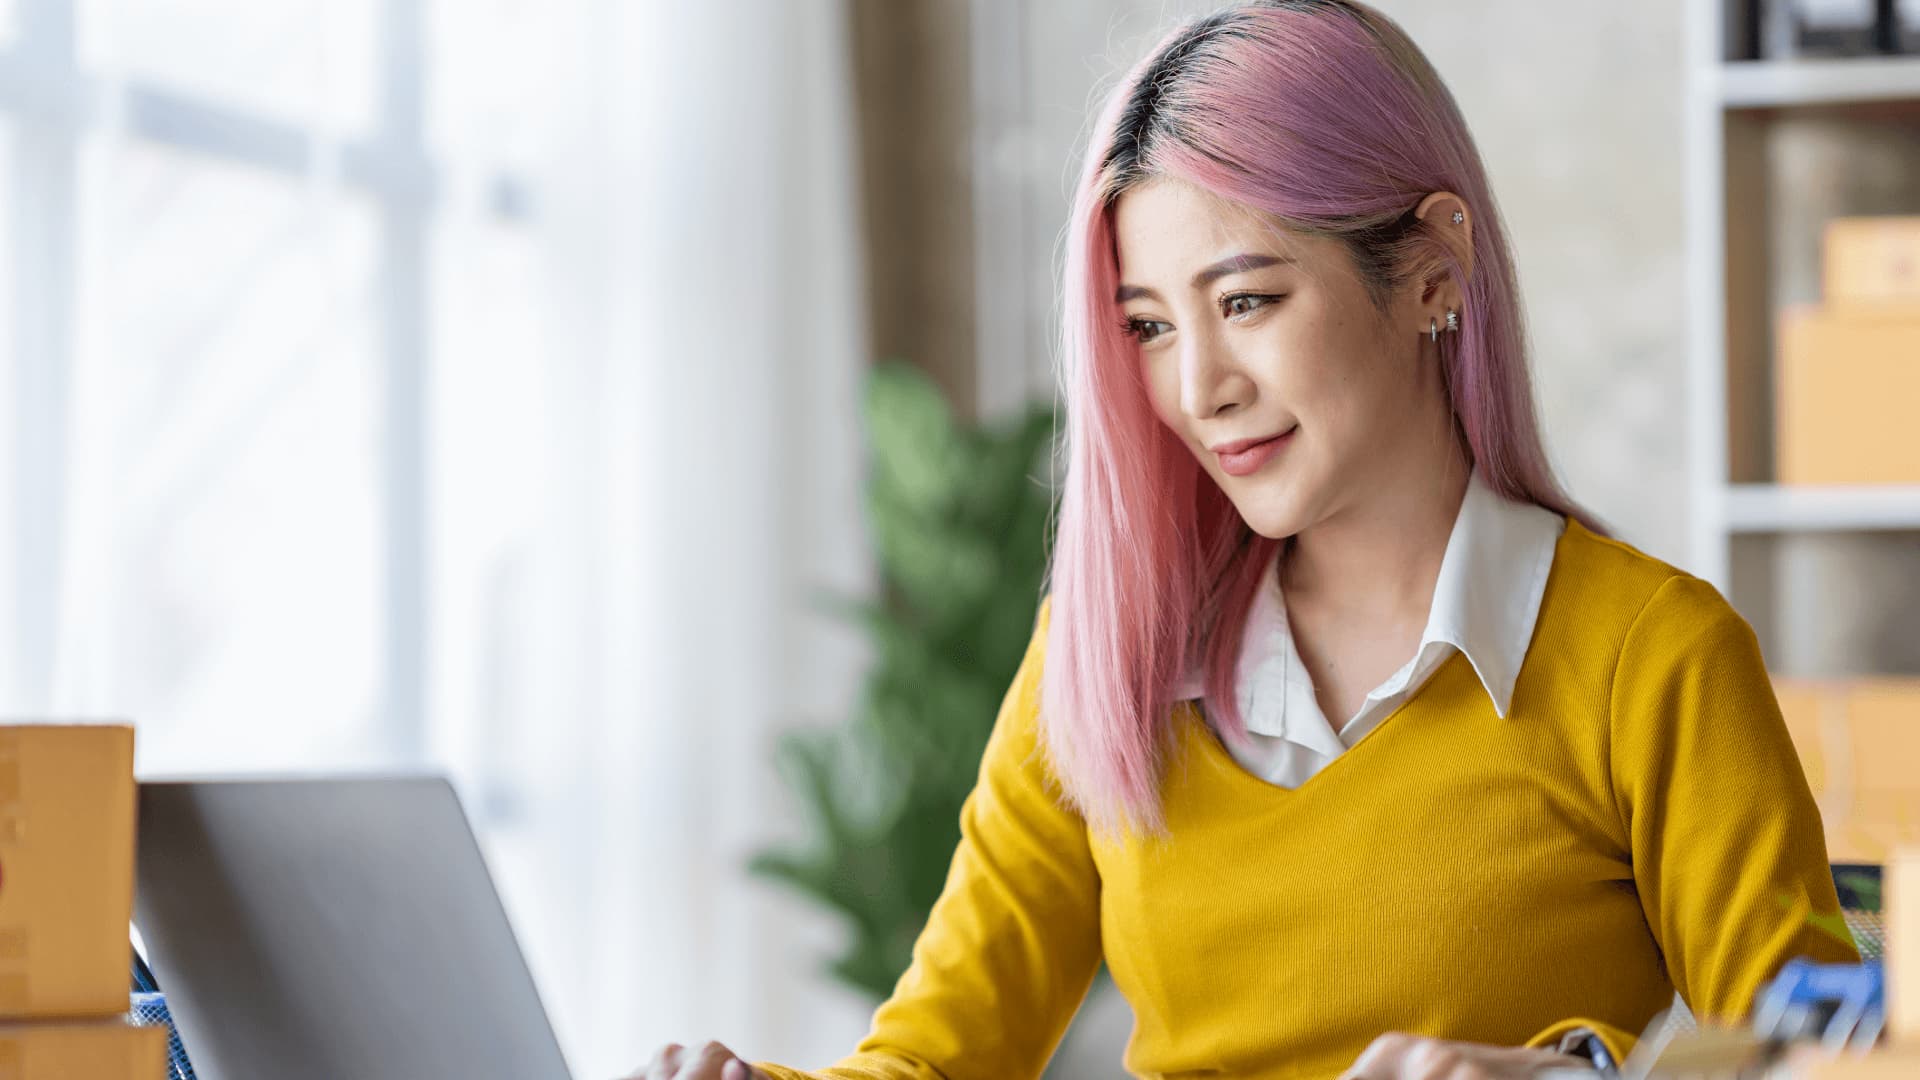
(1349, 742)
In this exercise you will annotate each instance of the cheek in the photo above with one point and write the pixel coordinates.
(1163, 394)
(1337, 384)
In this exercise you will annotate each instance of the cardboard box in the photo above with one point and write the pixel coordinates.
(1871, 260)
(1901, 901)
(66, 870)
(1847, 397)
(1884, 1063)
(1859, 742)
(82, 1050)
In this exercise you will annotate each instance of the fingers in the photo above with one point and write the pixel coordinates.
(1400, 1056)
(711, 1061)
(707, 1063)
(665, 1063)
(728, 1065)
(1381, 1059)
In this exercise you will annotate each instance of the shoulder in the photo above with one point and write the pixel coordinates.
(1612, 579)
(1661, 594)
(1614, 565)
(1037, 644)
(1023, 700)
(1671, 629)
(1635, 618)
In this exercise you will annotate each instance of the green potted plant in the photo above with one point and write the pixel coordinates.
(960, 518)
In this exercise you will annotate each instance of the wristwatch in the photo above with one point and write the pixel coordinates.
(1585, 1043)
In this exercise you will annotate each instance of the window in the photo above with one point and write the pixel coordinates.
(223, 412)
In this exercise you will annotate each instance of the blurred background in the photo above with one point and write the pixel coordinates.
(508, 388)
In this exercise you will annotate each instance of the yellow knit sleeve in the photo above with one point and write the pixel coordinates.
(1012, 943)
(1729, 856)
(1618, 1040)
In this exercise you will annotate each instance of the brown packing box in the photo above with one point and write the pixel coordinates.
(66, 870)
(1847, 400)
(82, 1050)
(1859, 742)
(1885, 1063)
(1901, 902)
(1871, 260)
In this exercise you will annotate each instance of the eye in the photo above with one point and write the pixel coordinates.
(1244, 303)
(1136, 328)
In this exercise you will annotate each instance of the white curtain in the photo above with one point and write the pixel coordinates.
(733, 493)
(566, 560)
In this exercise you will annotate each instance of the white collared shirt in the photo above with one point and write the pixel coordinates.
(1485, 602)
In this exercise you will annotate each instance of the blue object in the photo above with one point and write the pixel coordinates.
(1837, 1003)
(143, 979)
(150, 1008)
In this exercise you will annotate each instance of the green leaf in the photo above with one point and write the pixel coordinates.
(960, 519)
(912, 438)
(1865, 887)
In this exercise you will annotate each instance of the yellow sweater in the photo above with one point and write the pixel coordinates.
(1638, 823)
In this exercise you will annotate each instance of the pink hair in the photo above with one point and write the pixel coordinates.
(1324, 116)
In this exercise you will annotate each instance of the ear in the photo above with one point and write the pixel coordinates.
(1438, 211)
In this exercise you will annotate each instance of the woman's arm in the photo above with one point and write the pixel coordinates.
(1729, 856)
(1013, 942)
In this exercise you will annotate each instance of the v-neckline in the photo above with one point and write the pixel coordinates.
(1216, 752)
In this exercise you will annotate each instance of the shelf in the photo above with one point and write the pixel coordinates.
(1763, 84)
(1775, 508)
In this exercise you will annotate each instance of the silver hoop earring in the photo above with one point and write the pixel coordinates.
(1433, 329)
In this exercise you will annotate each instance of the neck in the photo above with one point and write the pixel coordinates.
(1380, 554)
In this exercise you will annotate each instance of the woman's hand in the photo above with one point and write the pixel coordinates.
(1399, 1056)
(710, 1061)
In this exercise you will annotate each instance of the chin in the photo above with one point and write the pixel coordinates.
(1276, 526)
(1272, 514)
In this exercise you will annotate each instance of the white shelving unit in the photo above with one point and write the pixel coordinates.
(1759, 84)
(1729, 108)
(1778, 508)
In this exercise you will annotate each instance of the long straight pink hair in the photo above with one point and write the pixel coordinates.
(1325, 116)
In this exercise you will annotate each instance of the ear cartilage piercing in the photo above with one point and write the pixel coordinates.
(1458, 217)
(1453, 321)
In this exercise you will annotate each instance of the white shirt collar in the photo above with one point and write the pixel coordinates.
(1486, 601)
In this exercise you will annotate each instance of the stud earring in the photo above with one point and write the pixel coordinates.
(1458, 217)
(1453, 325)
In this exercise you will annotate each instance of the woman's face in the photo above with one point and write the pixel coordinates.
(1247, 332)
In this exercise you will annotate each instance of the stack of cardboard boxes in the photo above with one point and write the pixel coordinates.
(1846, 393)
(66, 898)
(1848, 372)
(1847, 410)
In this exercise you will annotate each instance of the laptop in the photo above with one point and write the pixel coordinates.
(316, 929)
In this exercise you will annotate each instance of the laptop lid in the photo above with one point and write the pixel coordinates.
(313, 929)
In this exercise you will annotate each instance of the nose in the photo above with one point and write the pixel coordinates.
(1211, 380)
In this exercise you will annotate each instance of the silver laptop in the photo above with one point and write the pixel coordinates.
(324, 929)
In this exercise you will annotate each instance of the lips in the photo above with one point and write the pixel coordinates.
(1238, 445)
(1244, 457)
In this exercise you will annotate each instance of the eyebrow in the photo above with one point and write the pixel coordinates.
(1232, 264)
